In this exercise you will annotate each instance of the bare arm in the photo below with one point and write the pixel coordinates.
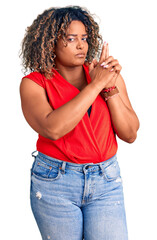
(50, 123)
(124, 119)
(54, 124)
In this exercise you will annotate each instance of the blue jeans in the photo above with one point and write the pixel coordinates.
(75, 201)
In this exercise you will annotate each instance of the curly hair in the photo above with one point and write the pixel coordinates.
(38, 45)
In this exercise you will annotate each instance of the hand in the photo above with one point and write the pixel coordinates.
(102, 77)
(107, 62)
(104, 55)
(91, 65)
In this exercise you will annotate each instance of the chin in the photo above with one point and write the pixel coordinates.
(79, 63)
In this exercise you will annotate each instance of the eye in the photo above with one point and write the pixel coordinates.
(84, 39)
(71, 39)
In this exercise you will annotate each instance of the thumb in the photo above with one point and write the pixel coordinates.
(92, 65)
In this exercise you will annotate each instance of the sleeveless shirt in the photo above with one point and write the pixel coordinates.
(92, 140)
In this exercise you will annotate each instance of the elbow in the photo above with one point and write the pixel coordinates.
(131, 138)
(133, 135)
(127, 136)
(51, 134)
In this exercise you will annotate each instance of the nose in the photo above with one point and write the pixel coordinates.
(80, 44)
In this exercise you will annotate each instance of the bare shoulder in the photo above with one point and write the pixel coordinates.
(35, 105)
(28, 86)
(32, 95)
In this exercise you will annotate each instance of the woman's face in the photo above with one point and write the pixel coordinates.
(75, 52)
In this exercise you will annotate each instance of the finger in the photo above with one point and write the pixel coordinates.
(107, 51)
(115, 75)
(108, 60)
(86, 63)
(117, 68)
(95, 62)
(92, 65)
(103, 53)
(112, 63)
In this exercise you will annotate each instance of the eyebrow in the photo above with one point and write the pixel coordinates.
(74, 35)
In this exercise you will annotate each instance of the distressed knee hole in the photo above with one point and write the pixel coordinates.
(39, 195)
(118, 179)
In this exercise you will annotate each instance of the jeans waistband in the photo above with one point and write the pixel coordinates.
(75, 166)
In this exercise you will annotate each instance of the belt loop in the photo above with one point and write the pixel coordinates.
(63, 167)
(33, 154)
(102, 169)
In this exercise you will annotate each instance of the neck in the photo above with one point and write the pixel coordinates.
(71, 74)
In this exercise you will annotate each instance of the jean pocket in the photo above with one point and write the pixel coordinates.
(112, 172)
(43, 171)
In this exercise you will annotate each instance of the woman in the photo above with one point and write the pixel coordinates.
(77, 105)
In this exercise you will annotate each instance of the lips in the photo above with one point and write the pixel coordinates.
(81, 55)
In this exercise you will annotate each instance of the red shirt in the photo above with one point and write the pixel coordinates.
(92, 140)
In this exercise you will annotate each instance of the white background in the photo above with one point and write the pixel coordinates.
(130, 29)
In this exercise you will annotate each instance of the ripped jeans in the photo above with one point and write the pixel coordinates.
(78, 201)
